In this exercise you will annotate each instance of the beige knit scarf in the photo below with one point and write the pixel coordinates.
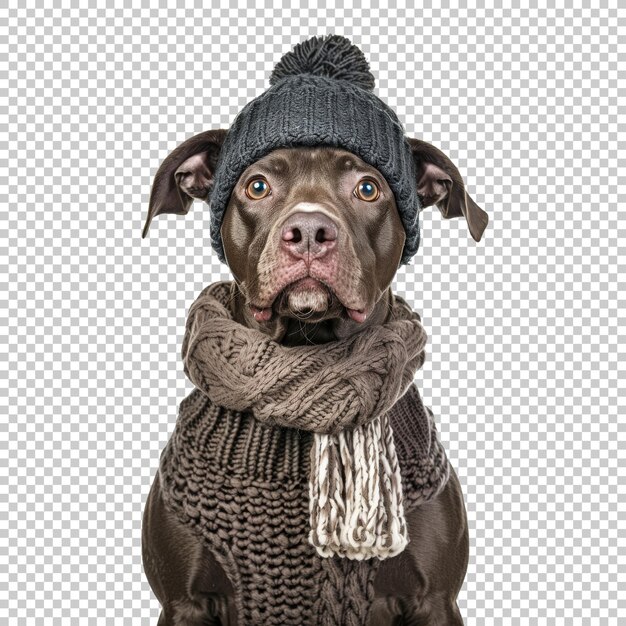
(340, 390)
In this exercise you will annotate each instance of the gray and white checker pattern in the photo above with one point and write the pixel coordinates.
(526, 338)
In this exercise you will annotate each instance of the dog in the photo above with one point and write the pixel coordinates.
(313, 239)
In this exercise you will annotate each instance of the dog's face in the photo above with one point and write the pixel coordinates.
(311, 233)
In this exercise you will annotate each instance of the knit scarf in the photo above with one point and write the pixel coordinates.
(341, 391)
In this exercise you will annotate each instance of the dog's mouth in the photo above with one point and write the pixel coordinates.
(307, 299)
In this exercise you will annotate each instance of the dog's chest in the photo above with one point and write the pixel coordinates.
(243, 487)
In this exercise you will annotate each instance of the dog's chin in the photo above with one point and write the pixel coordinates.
(308, 300)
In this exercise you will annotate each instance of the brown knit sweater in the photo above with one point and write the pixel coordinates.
(243, 486)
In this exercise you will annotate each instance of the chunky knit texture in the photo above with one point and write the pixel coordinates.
(340, 390)
(321, 93)
(240, 476)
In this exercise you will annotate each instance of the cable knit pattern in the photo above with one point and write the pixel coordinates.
(243, 482)
(321, 388)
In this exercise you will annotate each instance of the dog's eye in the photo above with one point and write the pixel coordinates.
(257, 188)
(367, 190)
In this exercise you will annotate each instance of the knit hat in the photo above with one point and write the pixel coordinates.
(321, 93)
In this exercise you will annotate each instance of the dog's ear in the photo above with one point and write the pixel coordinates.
(439, 182)
(187, 173)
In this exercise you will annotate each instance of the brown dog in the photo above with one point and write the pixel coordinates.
(313, 239)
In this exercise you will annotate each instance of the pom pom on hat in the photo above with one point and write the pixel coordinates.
(331, 55)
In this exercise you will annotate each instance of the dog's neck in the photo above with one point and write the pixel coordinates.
(292, 332)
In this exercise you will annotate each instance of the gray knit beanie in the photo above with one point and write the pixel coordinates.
(321, 93)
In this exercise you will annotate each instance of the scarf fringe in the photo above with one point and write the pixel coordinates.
(355, 493)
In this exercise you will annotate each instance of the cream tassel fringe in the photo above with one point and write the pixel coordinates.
(355, 493)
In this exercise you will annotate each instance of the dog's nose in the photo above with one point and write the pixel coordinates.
(309, 234)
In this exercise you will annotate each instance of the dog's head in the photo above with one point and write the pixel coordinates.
(311, 233)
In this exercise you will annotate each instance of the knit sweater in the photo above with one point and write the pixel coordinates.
(243, 486)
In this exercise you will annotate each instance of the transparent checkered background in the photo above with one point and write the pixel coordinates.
(526, 340)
